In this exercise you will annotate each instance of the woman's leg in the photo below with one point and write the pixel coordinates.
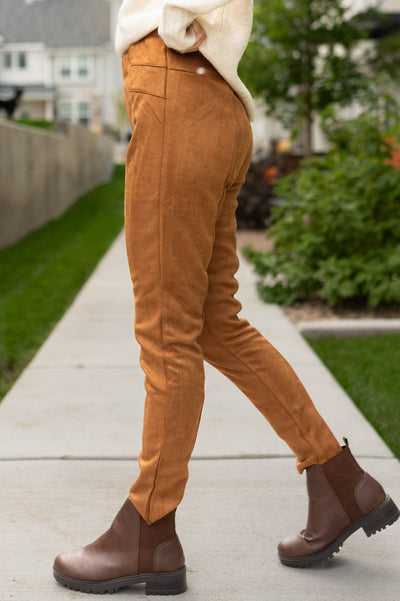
(241, 353)
(186, 144)
(342, 496)
(183, 151)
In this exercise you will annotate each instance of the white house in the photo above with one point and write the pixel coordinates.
(386, 6)
(61, 53)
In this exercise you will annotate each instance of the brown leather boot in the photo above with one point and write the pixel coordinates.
(130, 552)
(342, 499)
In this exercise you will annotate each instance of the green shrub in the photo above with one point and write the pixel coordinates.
(338, 236)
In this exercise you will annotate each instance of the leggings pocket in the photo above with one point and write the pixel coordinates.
(147, 79)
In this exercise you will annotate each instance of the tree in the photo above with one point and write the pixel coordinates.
(300, 60)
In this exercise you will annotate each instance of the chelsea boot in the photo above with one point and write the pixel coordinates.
(128, 553)
(342, 499)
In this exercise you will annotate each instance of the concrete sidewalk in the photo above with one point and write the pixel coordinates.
(70, 432)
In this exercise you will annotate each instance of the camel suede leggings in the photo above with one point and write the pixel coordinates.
(187, 159)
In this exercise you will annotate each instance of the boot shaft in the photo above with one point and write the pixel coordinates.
(355, 489)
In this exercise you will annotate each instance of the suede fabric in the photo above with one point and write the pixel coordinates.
(187, 159)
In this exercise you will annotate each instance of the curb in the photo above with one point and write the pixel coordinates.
(348, 328)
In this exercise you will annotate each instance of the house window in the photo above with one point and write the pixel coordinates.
(83, 113)
(22, 60)
(83, 70)
(7, 60)
(65, 110)
(65, 67)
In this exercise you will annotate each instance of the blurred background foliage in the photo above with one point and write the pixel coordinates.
(335, 234)
(307, 55)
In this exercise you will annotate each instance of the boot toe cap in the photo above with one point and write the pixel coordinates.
(293, 546)
(68, 564)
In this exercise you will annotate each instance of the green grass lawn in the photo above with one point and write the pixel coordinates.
(41, 275)
(369, 370)
(37, 123)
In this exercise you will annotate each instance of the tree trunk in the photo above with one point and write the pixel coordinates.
(308, 117)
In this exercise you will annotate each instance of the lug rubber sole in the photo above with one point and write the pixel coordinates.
(160, 583)
(384, 515)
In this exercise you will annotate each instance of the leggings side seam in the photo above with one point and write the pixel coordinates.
(161, 280)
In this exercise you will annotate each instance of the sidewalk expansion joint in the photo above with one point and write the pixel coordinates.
(197, 458)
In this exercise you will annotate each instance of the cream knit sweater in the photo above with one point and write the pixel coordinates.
(227, 24)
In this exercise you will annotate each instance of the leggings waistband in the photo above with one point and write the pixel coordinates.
(151, 50)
